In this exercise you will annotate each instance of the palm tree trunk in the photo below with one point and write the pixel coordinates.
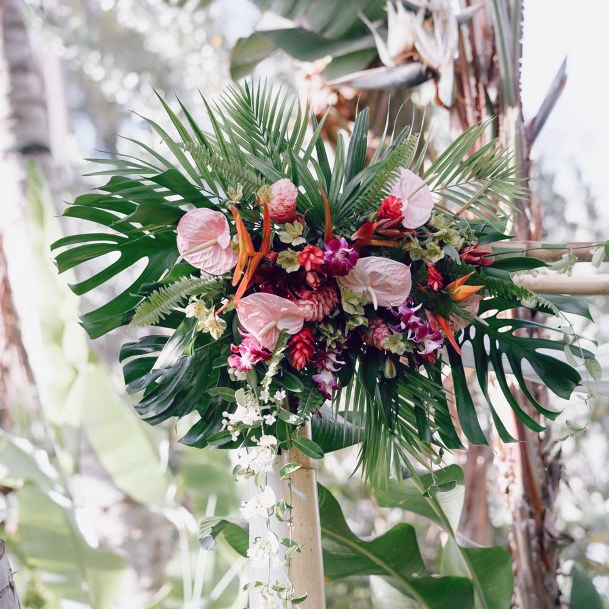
(8, 594)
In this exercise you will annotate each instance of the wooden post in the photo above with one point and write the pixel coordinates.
(582, 250)
(307, 568)
(577, 285)
(8, 593)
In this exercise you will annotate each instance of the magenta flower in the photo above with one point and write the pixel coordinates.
(339, 257)
(327, 363)
(204, 241)
(432, 342)
(247, 354)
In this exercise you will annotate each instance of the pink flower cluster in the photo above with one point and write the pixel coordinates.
(247, 354)
(327, 364)
(423, 333)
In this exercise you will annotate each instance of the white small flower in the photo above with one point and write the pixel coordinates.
(269, 419)
(288, 260)
(197, 309)
(265, 550)
(598, 256)
(260, 505)
(239, 375)
(267, 597)
(279, 395)
(267, 441)
(214, 325)
(264, 396)
(257, 460)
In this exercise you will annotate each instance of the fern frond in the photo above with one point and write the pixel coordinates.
(164, 300)
(233, 172)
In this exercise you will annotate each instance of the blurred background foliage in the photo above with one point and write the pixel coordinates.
(99, 510)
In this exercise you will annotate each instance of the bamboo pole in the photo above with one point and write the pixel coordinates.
(307, 568)
(585, 285)
(548, 252)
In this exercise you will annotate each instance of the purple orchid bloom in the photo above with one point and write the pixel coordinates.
(339, 257)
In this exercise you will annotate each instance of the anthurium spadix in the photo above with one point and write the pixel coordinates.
(204, 240)
(383, 282)
(265, 316)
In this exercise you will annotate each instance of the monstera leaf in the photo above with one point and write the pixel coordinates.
(394, 555)
(138, 216)
(174, 376)
(501, 339)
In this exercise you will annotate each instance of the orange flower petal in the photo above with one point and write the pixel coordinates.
(443, 323)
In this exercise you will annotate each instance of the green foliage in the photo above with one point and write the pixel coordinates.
(231, 172)
(394, 555)
(473, 577)
(165, 299)
(323, 29)
(583, 593)
(78, 572)
(439, 497)
(483, 184)
(504, 338)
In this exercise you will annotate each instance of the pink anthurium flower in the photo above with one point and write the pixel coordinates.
(265, 316)
(204, 241)
(417, 201)
(385, 282)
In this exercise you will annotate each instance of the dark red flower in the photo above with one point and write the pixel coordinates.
(473, 254)
(391, 208)
(311, 258)
(435, 281)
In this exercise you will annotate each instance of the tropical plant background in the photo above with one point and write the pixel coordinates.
(101, 511)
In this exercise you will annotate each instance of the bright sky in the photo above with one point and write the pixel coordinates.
(577, 132)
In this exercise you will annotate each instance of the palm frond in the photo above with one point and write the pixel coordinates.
(163, 300)
(393, 416)
(233, 173)
(482, 185)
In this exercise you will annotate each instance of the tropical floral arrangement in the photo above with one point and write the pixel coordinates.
(300, 292)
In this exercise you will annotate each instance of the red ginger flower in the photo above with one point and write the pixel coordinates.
(317, 304)
(311, 258)
(435, 281)
(376, 334)
(301, 348)
(391, 208)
